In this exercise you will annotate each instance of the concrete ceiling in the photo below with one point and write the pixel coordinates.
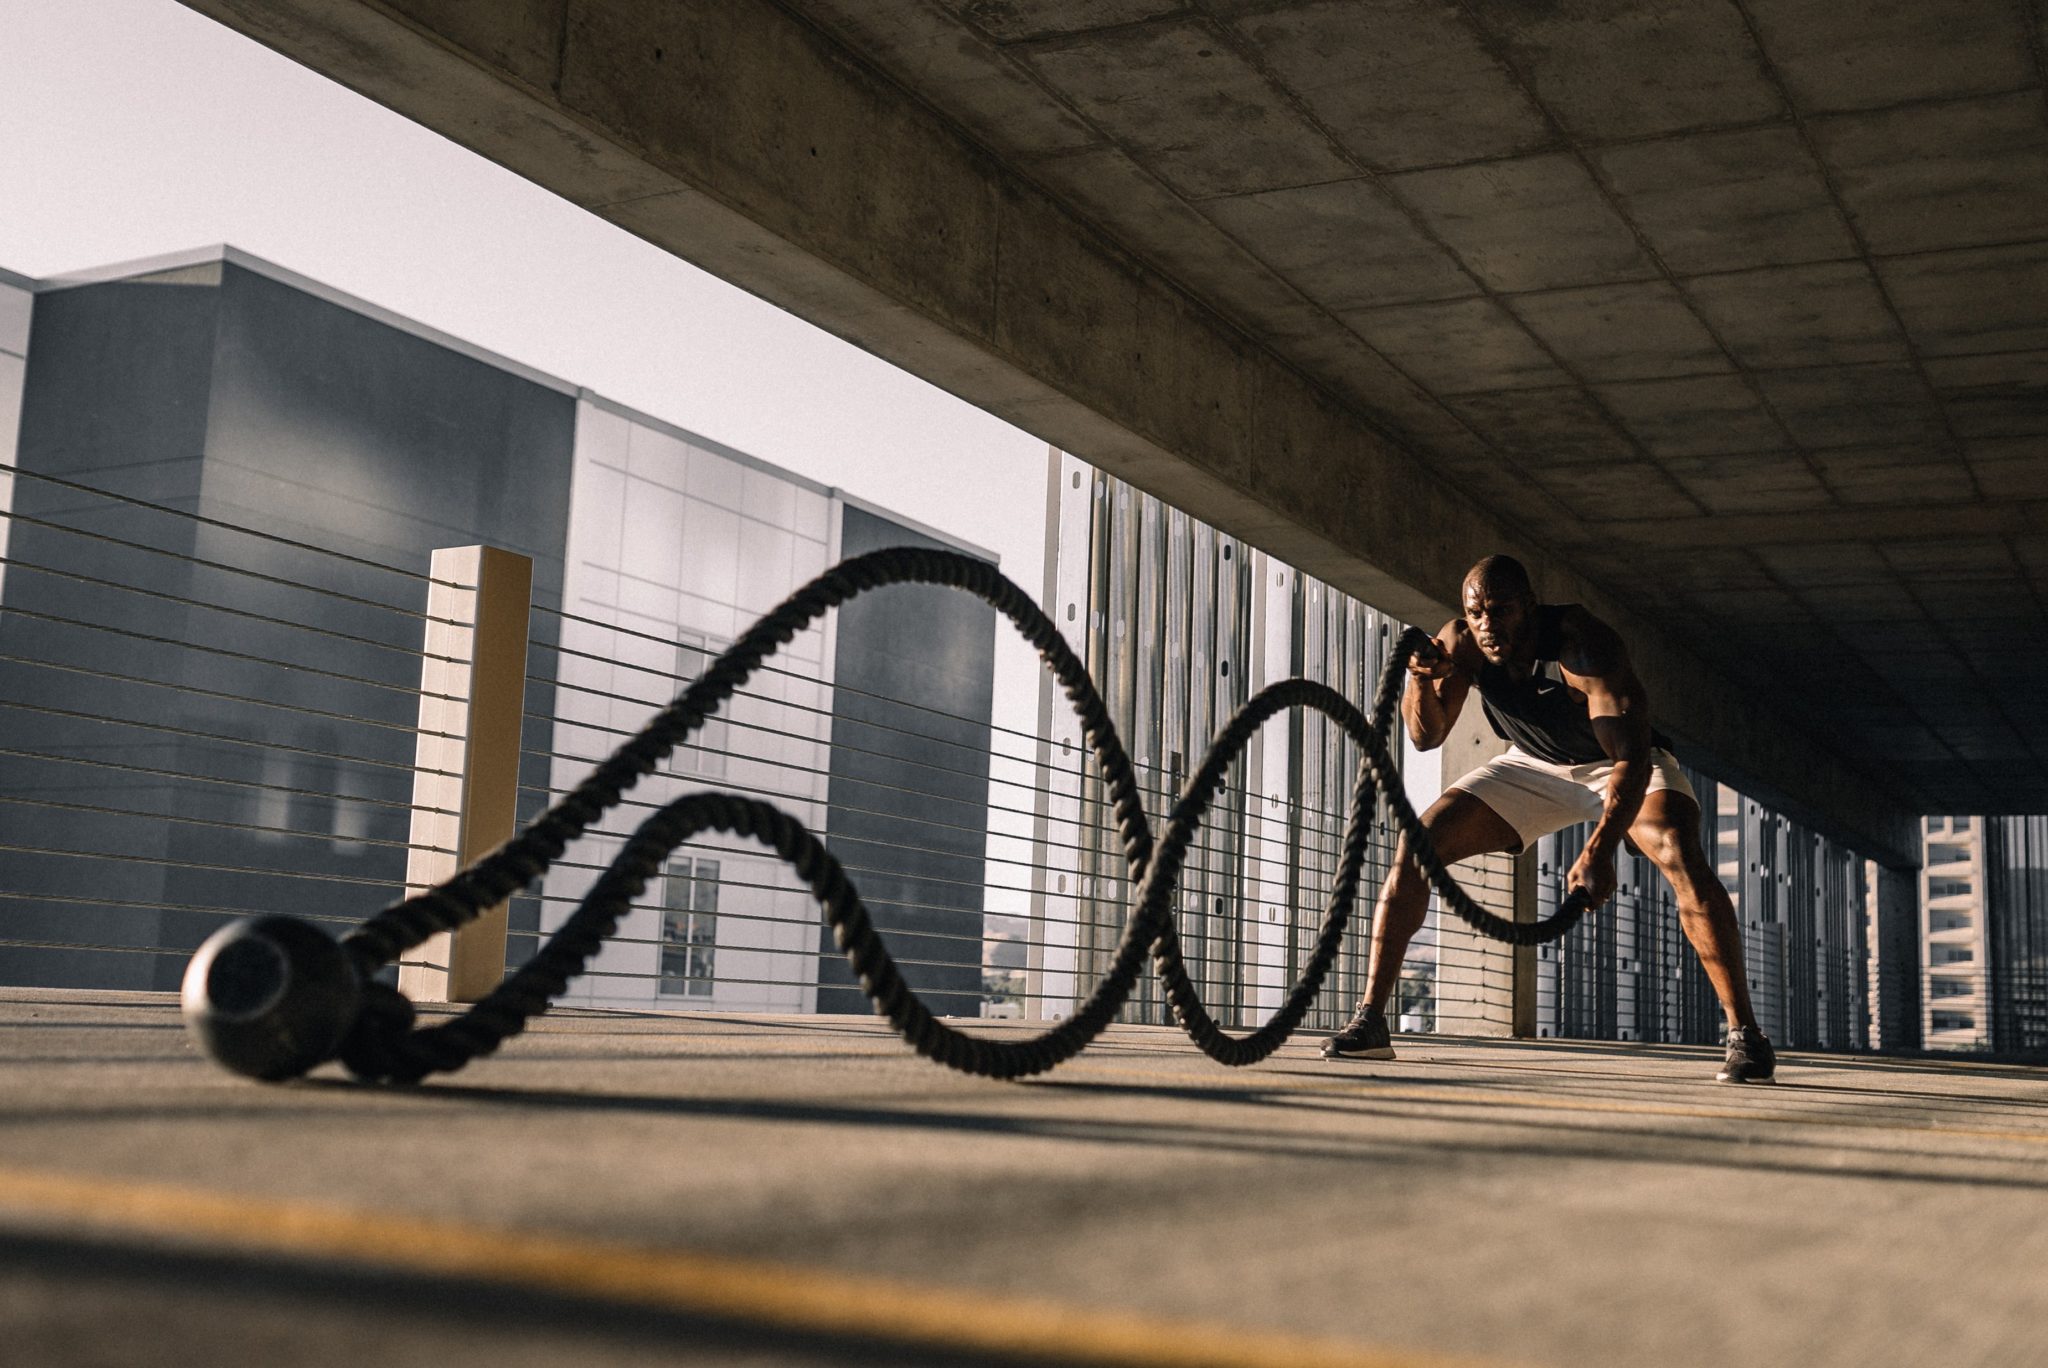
(1732, 315)
(1742, 306)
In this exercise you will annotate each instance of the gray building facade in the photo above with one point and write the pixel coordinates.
(267, 697)
(17, 301)
(914, 861)
(232, 479)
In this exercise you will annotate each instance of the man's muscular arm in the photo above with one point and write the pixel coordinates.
(1437, 686)
(1596, 663)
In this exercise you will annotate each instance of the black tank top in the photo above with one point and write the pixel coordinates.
(1541, 713)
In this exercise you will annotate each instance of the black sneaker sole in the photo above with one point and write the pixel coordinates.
(1331, 1051)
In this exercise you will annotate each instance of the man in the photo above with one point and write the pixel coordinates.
(1556, 684)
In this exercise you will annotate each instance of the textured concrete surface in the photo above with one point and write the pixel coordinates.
(1624, 275)
(1727, 314)
(1533, 1202)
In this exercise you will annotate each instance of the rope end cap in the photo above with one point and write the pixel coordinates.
(270, 997)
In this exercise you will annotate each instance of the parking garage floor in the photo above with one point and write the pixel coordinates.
(683, 1189)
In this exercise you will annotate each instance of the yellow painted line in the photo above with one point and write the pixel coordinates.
(780, 1296)
(1405, 1092)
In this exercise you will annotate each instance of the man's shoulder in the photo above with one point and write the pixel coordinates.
(1573, 617)
(1587, 645)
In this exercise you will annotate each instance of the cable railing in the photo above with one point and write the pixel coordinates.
(185, 739)
(256, 786)
(848, 805)
(268, 745)
(1230, 793)
(190, 738)
(186, 601)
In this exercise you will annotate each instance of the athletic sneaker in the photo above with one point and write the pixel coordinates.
(1750, 1057)
(1365, 1038)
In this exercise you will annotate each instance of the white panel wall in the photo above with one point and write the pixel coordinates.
(14, 312)
(673, 549)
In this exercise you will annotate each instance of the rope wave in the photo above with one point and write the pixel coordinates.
(383, 1043)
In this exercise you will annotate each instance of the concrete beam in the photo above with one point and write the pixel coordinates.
(2013, 517)
(741, 138)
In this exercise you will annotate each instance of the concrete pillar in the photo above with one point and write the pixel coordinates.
(1895, 945)
(466, 767)
(1484, 987)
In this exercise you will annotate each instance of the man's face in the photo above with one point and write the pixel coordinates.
(1500, 621)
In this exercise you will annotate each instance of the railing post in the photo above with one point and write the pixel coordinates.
(1522, 1020)
(466, 775)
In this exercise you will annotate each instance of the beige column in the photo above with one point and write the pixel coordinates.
(466, 776)
(1484, 987)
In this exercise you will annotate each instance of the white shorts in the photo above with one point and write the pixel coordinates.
(1536, 797)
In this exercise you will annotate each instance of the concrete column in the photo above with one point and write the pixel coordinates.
(1895, 944)
(1484, 988)
(466, 775)
(1522, 1018)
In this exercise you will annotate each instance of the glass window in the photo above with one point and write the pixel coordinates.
(689, 926)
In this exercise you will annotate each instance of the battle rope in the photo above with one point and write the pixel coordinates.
(272, 996)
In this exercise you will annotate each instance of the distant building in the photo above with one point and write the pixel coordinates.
(1952, 889)
(1179, 624)
(227, 719)
(2015, 864)
(1984, 891)
(1627, 973)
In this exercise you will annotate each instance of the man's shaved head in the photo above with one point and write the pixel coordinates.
(1502, 576)
(1500, 608)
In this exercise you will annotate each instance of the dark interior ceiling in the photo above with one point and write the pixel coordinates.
(1744, 306)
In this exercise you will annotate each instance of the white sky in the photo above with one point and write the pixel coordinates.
(131, 128)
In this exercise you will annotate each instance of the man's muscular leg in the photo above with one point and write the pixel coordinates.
(1460, 827)
(1667, 831)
